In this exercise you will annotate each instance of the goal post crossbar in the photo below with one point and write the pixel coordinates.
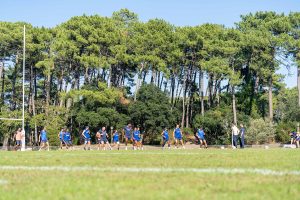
(11, 119)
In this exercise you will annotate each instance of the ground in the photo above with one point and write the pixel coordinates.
(151, 174)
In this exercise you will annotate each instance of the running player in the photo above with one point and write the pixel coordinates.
(98, 139)
(128, 136)
(142, 137)
(67, 139)
(177, 135)
(44, 139)
(136, 139)
(18, 137)
(116, 139)
(87, 138)
(165, 136)
(201, 137)
(104, 140)
(61, 135)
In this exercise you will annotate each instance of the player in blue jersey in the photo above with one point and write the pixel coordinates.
(128, 135)
(104, 140)
(136, 139)
(60, 136)
(142, 137)
(165, 136)
(67, 138)
(116, 139)
(201, 137)
(297, 139)
(87, 138)
(177, 135)
(44, 140)
(293, 135)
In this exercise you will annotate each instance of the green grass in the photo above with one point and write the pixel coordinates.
(26, 184)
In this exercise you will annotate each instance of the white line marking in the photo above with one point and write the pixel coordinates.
(155, 170)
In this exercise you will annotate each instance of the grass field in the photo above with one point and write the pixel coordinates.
(153, 174)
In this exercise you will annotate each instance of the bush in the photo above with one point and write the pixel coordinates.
(216, 124)
(152, 111)
(260, 132)
(283, 130)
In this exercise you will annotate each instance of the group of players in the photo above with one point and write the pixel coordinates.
(131, 134)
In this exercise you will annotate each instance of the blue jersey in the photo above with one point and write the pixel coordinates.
(177, 133)
(67, 136)
(116, 137)
(61, 134)
(200, 133)
(136, 135)
(127, 131)
(166, 135)
(86, 133)
(43, 135)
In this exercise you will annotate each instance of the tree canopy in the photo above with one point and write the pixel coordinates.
(110, 71)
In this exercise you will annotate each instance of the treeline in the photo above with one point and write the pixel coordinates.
(108, 71)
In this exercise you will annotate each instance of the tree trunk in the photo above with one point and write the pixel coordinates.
(161, 81)
(30, 90)
(183, 99)
(153, 78)
(1, 76)
(187, 112)
(2, 87)
(86, 76)
(298, 84)
(201, 90)
(271, 100)
(14, 80)
(5, 143)
(234, 106)
(109, 77)
(48, 80)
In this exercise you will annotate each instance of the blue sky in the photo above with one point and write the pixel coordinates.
(179, 12)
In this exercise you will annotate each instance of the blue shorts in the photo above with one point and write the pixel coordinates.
(115, 141)
(298, 139)
(61, 140)
(86, 140)
(137, 139)
(201, 138)
(128, 137)
(166, 139)
(19, 142)
(178, 137)
(44, 141)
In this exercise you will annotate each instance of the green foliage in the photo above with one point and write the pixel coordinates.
(260, 132)
(216, 124)
(152, 111)
(86, 68)
(283, 130)
(54, 121)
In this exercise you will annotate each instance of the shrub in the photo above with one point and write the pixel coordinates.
(260, 132)
(283, 130)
